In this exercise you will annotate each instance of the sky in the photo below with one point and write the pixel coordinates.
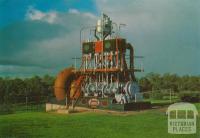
(40, 37)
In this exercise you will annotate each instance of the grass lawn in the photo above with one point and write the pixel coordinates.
(145, 124)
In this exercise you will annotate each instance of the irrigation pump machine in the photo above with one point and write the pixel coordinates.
(106, 76)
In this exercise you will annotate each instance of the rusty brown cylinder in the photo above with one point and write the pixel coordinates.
(60, 83)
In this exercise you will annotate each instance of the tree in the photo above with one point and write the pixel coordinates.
(145, 84)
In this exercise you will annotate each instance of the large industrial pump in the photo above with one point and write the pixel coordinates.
(106, 74)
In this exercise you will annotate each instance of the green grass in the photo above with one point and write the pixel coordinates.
(146, 124)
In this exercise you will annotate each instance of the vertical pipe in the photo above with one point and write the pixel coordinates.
(104, 61)
(121, 58)
(107, 77)
(102, 77)
(117, 80)
(85, 61)
(111, 77)
(96, 60)
(102, 54)
(129, 46)
(111, 59)
(75, 64)
(93, 62)
(117, 56)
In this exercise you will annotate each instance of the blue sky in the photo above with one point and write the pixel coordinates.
(15, 10)
(42, 36)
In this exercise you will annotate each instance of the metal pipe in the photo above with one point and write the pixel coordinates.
(129, 46)
(95, 34)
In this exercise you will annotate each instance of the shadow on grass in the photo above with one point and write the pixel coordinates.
(21, 130)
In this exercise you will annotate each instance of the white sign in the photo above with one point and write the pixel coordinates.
(182, 118)
(93, 103)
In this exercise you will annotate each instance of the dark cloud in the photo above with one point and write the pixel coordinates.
(18, 36)
(38, 43)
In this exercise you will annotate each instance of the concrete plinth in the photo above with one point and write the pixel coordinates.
(54, 107)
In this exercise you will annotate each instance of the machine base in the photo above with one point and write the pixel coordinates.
(106, 103)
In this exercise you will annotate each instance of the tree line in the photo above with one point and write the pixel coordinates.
(37, 86)
(15, 89)
(153, 81)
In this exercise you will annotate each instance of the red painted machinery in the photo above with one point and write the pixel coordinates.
(106, 71)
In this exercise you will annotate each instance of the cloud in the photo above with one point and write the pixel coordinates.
(40, 43)
(166, 32)
(74, 11)
(86, 14)
(34, 14)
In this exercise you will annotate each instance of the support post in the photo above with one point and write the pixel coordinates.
(135, 97)
(66, 103)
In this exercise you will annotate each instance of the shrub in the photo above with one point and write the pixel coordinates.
(157, 96)
(6, 109)
(146, 95)
(192, 97)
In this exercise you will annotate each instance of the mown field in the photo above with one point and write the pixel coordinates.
(144, 124)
